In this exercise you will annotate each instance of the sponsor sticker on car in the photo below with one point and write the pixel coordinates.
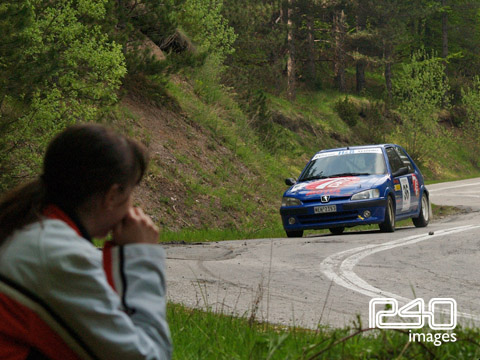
(346, 152)
(416, 186)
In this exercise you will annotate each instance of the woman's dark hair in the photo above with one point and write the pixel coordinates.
(80, 162)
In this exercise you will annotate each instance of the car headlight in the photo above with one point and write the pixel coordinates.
(289, 201)
(367, 194)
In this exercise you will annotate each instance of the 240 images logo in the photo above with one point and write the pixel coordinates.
(440, 314)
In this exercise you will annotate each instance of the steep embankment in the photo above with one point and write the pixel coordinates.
(204, 176)
(187, 162)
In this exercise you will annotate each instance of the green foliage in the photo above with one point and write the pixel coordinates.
(276, 132)
(377, 122)
(204, 22)
(206, 83)
(347, 110)
(258, 60)
(146, 30)
(194, 332)
(64, 71)
(248, 231)
(420, 90)
(471, 103)
(261, 119)
(131, 23)
(463, 35)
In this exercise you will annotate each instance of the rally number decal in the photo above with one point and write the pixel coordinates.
(331, 186)
(405, 194)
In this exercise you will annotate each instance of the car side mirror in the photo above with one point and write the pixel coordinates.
(290, 181)
(400, 172)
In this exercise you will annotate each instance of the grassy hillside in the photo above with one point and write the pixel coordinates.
(218, 168)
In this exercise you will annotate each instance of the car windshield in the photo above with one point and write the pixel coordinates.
(345, 163)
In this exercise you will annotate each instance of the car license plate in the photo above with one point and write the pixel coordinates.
(325, 209)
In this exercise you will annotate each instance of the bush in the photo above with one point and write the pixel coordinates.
(458, 115)
(471, 104)
(376, 124)
(347, 111)
(275, 137)
(420, 90)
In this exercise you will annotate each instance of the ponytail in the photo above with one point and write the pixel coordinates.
(20, 207)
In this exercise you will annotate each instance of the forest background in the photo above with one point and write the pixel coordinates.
(231, 96)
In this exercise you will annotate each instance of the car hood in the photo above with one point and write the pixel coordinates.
(335, 187)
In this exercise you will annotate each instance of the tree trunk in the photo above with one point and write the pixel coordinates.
(122, 21)
(445, 42)
(290, 53)
(388, 79)
(311, 67)
(388, 69)
(444, 30)
(339, 30)
(361, 63)
(361, 82)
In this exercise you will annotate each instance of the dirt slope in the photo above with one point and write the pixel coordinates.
(187, 185)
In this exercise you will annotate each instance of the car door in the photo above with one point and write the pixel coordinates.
(412, 180)
(402, 184)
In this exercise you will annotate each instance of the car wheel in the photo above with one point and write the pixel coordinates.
(294, 234)
(389, 224)
(337, 230)
(424, 216)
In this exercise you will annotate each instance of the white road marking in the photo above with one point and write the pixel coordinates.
(453, 187)
(466, 195)
(339, 267)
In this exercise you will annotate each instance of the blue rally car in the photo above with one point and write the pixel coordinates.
(339, 188)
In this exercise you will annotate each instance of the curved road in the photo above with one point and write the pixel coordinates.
(328, 279)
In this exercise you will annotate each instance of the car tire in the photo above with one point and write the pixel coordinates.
(337, 230)
(424, 217)
(389, 223)
(294, 234)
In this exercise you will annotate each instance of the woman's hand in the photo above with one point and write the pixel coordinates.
(136, 227)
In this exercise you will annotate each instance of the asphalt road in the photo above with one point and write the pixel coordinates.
(328, 279)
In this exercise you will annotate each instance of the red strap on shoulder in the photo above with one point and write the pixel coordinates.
(54, 212)
(107, 263)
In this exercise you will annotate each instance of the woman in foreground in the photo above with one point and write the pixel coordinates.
(60, 297)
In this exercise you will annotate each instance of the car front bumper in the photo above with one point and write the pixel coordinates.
(349, 213)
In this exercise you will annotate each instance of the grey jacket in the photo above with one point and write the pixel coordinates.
(91, 306)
